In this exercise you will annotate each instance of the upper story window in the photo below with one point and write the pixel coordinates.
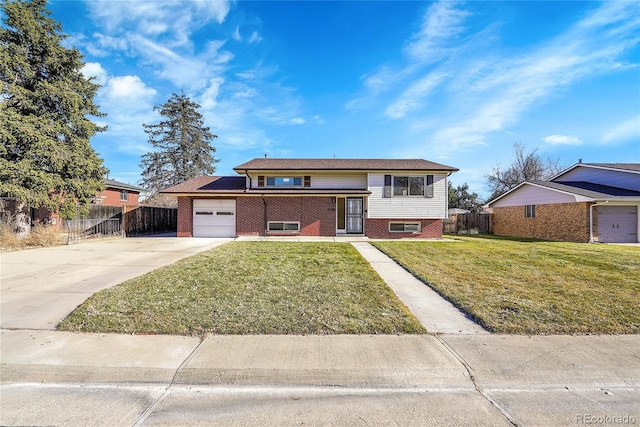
(408, 186)
(284, 181)
(124, 195)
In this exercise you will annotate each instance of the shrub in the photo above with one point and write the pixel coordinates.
(40, 235)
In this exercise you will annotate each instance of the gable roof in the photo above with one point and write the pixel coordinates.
(209, 184)
(579, 188)
(343, 164)
(626, 167)
(112, 183)
(588, 189)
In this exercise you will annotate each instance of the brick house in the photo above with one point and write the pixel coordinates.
(588, 202)
(118, 194)
(378, 198)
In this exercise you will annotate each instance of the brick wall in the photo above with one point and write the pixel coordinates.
(185, 217)
(111, 197)
(249, 216)
(316, 215)
(562, 222)
(379, 229)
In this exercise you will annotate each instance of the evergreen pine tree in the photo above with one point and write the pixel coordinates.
(183, 146)
(46, 159)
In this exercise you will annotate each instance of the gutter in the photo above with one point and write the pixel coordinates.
(591, 219)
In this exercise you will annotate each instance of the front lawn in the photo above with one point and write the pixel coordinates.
(531, 287)
(252, 288)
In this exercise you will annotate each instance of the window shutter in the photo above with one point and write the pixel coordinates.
(428, 189)
(387, 187)
(261, 181)
(307, 181)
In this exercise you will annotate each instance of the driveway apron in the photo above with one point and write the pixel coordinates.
(40, 287)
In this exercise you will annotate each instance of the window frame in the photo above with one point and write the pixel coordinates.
(404, 226)
(530, 211)
(284, 226)
(408, 186)
(272, 181)
(124, 195)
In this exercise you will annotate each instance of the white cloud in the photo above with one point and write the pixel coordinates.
(562, 140)
(130, 88)
(297, 121)
(95, 70)
(208, 99)
(624, 131)
(236, 35)
(483, 94)
(442, 23)
(255, 38)
(177, 18)
(413, 97)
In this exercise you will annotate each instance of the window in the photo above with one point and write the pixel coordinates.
(284, 181)
(283, 226)
(530, 211)
(404, 227)
(408, 186)
(203, 213)
(124, 195)
(225, 213)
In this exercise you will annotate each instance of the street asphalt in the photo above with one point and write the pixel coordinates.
(458, 376)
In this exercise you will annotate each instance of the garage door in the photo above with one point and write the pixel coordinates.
(617, 224)
(214, 218)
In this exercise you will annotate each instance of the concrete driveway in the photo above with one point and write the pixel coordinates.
(40, 287)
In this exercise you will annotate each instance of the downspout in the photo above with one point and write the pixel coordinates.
(264, 216)
(591, 219)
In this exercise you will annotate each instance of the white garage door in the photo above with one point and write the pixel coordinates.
(214, 218)
(617, 224)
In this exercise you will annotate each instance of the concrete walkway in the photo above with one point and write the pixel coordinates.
(40, 287)
(434, 312)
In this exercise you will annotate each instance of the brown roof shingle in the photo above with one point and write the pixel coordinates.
(209, 184)
(342, 164)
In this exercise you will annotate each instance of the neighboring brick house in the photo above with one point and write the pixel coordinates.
(378, 198)
(118, 194)
(588, 202)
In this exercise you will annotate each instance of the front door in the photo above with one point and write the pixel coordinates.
(354, 215)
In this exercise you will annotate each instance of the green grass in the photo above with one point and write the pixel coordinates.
(252, 288)
(531, 287)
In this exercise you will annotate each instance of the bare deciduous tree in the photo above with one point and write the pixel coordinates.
(526, 166)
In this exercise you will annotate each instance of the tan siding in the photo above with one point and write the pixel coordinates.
(531, 194)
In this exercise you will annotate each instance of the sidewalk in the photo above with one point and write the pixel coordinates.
(54, 378)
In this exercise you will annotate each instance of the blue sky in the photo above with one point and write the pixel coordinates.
(453, 82)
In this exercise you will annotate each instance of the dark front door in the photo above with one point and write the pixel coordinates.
(354, 214)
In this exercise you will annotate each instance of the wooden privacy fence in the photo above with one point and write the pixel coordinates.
(469, 223)
(121, 221)
(149, 220)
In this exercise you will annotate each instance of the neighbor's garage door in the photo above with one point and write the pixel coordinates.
(617, 224)
(214, 218)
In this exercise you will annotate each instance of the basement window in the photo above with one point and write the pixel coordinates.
(288, 227)
(530, 211)
(404, 227)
